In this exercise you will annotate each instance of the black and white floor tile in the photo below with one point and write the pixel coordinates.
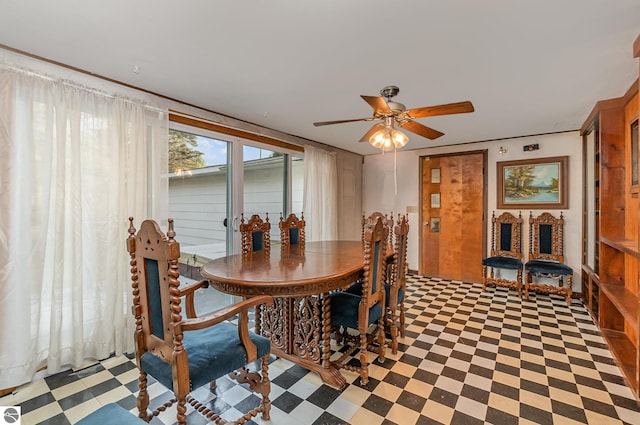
(468, 357)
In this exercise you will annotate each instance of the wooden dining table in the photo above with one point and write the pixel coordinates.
(299, 279)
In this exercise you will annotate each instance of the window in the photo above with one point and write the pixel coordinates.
(214, 178)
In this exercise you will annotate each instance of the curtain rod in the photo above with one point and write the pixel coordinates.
(80, 86)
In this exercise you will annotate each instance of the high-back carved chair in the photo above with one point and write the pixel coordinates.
(546, 256)
(506, 252)
(185, 354)
(397, 287)
(292, 231)
(360, 311)
(255, 234)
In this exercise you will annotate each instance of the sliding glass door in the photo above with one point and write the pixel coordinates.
(215, 178)
(199, 195)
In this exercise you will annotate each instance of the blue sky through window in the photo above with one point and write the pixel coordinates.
(215, 151)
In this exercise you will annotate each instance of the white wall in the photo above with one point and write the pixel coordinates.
(349, 196)
(379, 187)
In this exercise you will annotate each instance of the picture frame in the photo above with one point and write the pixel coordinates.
(539, 183)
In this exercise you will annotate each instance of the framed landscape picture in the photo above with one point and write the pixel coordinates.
(539, 183)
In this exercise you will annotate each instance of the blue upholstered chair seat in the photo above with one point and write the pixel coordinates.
(212, 352)
(344, 310)
(548, 267)
(111, 414)
(356, 288)
(502, 262)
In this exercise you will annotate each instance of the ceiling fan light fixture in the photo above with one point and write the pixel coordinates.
(399, 138)
(388, 138)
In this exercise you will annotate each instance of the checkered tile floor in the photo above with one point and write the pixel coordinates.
(468, 358)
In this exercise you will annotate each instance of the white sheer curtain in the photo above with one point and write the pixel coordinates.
(75, 163)
(320, 194)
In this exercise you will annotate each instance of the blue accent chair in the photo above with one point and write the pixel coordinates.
(184, 354)
(546, 257)
(506, 252)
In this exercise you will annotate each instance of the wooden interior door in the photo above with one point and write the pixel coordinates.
(453, 225)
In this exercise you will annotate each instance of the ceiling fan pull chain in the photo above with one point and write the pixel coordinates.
(395, 170)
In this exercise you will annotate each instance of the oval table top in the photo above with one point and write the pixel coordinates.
(320, 267)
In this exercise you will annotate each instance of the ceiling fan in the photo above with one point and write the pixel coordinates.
(384, 135)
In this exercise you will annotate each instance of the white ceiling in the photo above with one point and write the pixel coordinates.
(528, 66)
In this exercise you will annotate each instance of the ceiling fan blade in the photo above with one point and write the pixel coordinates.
(372, 130)
(317, 124)
(377, 103)
(422, 130)
(449, 108)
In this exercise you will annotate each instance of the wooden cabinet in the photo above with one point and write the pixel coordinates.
(611, 255)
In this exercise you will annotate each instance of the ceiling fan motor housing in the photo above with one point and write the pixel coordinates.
(388, 92)
(395, 106)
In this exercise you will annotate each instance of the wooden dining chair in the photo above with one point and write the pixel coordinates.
(185, 354)
(546, 257)
(255, 234)
(292, 231)
(392, 322)
(360, 311)
(396, 287)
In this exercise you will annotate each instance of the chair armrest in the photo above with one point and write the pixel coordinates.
(225, 313)
(192, 287)
(188, 291)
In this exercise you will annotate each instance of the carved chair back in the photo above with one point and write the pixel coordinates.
(401, 231)
(506, 235)
(154, 267)
(255, 234)
(292, 231)
(387, 222)
(397, 285)
(546, 237)
(375, 239)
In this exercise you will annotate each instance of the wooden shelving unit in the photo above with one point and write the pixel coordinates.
(611, 256)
